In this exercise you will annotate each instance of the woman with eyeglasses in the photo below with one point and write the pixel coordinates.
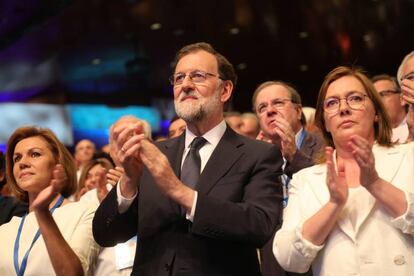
(55, 237)
(352, 214)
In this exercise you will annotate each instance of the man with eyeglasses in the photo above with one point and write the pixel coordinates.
(279, 109)
(405, 76)
(390, 93)
(212, 224)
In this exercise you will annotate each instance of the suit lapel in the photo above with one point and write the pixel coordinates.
(174, 149)
(322, 194)
(387, 162)
(307, 144)
(226, 153)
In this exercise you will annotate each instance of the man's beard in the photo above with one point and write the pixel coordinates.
(196, 111)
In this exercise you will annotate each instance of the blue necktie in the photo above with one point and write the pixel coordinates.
(190, 172)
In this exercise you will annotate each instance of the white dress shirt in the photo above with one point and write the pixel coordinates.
(400, 133)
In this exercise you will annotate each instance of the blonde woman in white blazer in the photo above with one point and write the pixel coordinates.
(353, 214)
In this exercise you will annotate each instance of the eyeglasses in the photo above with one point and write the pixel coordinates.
(355, 101)
(387, 93)
(276, 104)
(409, 76)
(196, 76)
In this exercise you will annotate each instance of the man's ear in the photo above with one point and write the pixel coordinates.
(299, 110)
(226, 91)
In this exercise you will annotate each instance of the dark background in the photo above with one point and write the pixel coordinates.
(120, 52)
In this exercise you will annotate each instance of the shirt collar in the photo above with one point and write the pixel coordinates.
(212, 136)
(297, 136)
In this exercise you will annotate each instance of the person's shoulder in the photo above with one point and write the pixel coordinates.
(168, 142)
(409, 146)
(313, 176)
(256, 145)
(82, 206)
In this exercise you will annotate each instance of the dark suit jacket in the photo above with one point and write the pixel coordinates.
(237, 210)
(303, 158)
(10, 207)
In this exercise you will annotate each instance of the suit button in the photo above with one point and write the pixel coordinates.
(167, 267)
(399, 260)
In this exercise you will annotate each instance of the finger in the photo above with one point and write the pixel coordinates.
(282, 122)
(124, 136)
(134, 139)
(260, 136)
(408, 98)
(111, 172)
(149, 150)
(113, 178)
(330, 172)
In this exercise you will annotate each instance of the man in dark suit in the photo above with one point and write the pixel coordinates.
(279, 109)
(214, 227)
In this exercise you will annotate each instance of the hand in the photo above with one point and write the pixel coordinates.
(48, 194)
(164, 176)
(262, 137)
(336, 182)
(410, 123)
(284, 132)
(407, 90)
(82, 191)
(101, 189)
(159, 167)
(113, 175)
(363, 155)
(125, 137)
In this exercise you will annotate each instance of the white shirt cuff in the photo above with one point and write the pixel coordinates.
(405, 222)
(123, 202)
(190, 216)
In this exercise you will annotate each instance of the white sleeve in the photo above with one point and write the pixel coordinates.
(190, 216)
(123, 202)
(405, 222)
(291, 250)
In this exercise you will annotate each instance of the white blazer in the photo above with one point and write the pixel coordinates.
(379, 244)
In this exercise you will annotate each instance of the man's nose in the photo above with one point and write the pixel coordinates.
(187, 83)
(270, 110)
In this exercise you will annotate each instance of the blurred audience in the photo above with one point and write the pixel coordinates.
(405, 76)
(105, 148)
(84, 151)
(353, 213)
(42, 173)
(93, 177)
(177, 127)
(310, 126)
(396, 108)
(234, 120)
(9, 205)
(250, 126)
